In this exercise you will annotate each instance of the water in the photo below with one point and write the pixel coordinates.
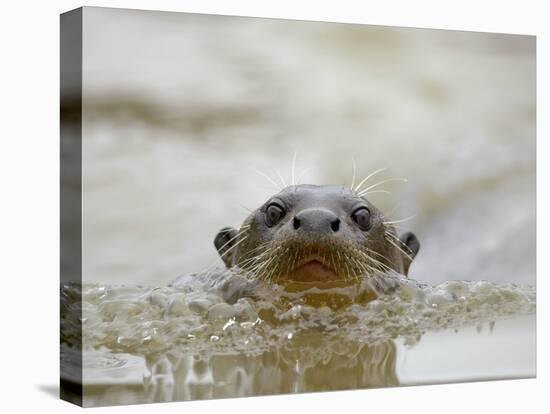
(184, 341)
(177, 107)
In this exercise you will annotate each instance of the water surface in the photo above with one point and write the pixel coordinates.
(184, 341)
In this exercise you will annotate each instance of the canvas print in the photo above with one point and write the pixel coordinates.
(265, 206)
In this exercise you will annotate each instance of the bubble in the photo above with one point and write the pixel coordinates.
(194, 318)
(221, 311)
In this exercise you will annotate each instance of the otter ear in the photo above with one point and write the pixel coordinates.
(225, 240)
(413, 246)
(410, 240)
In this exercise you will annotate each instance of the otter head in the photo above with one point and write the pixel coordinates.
(309, 233)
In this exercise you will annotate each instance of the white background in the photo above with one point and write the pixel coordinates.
(29, 219)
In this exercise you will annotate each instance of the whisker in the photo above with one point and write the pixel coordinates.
(280, 177)
(347, 274)
(378, 254)
(382, 182)
(246, 208)
(230, 240)
(209, 269)
(271, 180)
(364, 267)
(302, 174)
(397, 239)
(264, 265)
(356, 189)
(252, 259)
(379, 266)
(383, 266)
(375, 192)
(265, 245)
(265, 272)
(360, 267)
(233, 247)
(293, 167)
(353, 169)
(392, 211)
(258, 263)
(399, 248)
(397, 226)
(400, 221)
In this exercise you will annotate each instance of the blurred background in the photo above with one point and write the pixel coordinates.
(179, 108)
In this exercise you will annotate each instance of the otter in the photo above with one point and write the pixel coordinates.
(314, 233)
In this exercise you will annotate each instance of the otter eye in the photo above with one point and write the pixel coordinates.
(273, 214)
(362, 217)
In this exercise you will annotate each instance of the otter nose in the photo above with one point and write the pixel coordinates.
(316, 220)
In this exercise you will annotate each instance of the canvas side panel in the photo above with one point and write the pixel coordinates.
(71, 207)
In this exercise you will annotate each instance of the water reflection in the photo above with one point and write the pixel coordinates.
(304, 365)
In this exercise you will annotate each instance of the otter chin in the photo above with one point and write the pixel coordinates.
(316, 234)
